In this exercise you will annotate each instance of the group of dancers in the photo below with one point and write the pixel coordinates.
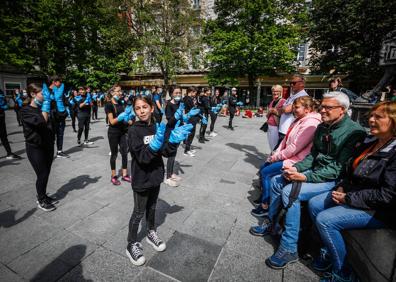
(135, 125)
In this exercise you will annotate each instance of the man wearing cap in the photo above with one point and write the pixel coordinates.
(232, 103)
(297, 85)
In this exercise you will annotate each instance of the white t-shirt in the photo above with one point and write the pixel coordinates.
(287, 118)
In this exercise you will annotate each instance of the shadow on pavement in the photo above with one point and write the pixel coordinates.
(5, 162)
(15, 132)
(163, 209)
(7, 218)
(93, 139)
(77, 183)
(253, 156)
(58, 268)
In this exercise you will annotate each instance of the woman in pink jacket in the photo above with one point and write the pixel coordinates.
(293, 148)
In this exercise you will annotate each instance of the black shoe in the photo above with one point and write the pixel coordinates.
(12, 156)
(45, 205)
(153, 239)
(51, 200)
(256, 203)
(231, 128)
(74, 130)
(79, 142)
(135, 254)
(62, 155)
(201, 141)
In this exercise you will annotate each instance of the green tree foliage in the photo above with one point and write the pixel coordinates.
(253, 38)
(84, 41)
(165, 32)
(347, 36)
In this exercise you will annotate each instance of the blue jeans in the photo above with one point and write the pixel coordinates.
(267, 171)
(331, 219)
(280, 190)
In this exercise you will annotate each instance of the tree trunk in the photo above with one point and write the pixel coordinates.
(251, 80)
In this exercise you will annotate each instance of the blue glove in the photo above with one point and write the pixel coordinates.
(180, 133)
(182, 106)
(193, 112)
(240, 104)
(179, 113)
(214, 109)
(71, 102)
(58, 95)
(130, 113)
(46, 93)
(101, 96)
(94, 97)
(78, 98)
(123, 117)
(162, 111)
(204, 120)
(88, 100)
(224, 102)
(158, 140)
(46, 107)
(67, 95)
(19, 101)
(3, 103)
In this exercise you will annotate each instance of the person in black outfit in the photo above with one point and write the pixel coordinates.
(204, 106)
(190, 102)
(232, 103)
(18, 104)
(38, 129)
(215, 101)
(58, 114)
(95, 105)
(147, 145)
(117, 134)
(84, 116)
(159, 108)
(73, 108)
(3, 129)
(173, 114)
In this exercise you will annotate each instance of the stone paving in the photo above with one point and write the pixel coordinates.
(204, 221)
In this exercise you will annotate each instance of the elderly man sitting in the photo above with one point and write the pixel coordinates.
(333, 144)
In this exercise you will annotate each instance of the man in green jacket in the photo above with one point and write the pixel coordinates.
(333, 144)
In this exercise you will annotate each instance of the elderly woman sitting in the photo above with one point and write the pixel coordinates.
(365, 198)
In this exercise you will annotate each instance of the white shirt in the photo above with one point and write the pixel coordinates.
(287, 118)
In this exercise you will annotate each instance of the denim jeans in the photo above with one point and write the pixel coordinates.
(331, 219)
(267, 171)
(280, 191)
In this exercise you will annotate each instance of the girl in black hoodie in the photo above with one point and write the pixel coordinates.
(147, 146)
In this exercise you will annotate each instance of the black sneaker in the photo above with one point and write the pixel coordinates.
(135, 254)
(153, 239)
(45, 205)
(51, 200)
(79, 142)
(62, 155)
(12, 156)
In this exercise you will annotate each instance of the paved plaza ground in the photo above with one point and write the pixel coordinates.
(204, 221)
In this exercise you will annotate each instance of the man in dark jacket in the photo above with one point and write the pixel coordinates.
(333, 145)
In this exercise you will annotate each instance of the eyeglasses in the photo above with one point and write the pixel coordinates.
(295, 82)
(328, 108)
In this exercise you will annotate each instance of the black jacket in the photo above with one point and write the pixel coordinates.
(147, 167)
(372, 185)
(232, 100)
(37, 131)
(204, 105)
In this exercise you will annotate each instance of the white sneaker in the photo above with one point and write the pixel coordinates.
(193, 151)
(189, 153)
(175, 177)
(87, 142)
(109, 153)
(213, 134)
(171, 182)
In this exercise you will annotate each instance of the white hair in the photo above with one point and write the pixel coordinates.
(341, 98)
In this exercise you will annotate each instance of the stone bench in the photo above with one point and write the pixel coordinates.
(372, 253)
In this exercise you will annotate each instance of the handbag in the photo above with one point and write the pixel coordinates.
(264, 127)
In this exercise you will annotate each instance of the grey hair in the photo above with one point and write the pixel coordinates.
(300, 76)
(341, 98)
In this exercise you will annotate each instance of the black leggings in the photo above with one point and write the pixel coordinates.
(190, 137)
(95, 112)
(143, 202)
(232, 114)
(118, 138)
(83, 125)
(170, 163)
(3, 135)
(213, 118)
(73, 115)
(41, 161)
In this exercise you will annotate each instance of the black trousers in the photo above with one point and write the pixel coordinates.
(41, 161)
(118, 138)
(83, 125)
(18, 116)
(190, 138)
(213, 118)
(232, 114)
(170, 164)
(202, 129)
(3, 134)
(60, 131)
(73, 116)
(143, 202)
(95, 112)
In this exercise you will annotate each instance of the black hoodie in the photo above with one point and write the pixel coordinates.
(147, 166)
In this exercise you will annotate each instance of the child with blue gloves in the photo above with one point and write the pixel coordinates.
(39, 132)
(119, 118)
(147, 145)
(84, 104)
